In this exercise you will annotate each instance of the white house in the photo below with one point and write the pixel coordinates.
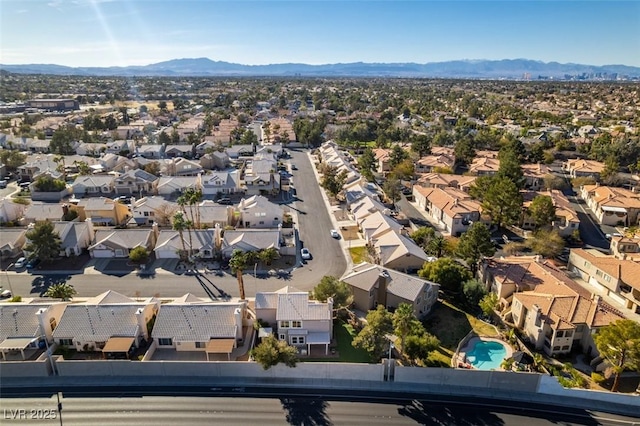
(258, 212)
(250, 240)
(119, 242)
(150, 210)
(199, 242)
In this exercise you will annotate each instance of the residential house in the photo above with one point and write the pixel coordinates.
(236, 152)
(91, 149)
(298, 321)
(102, 211)
(259, 212)
(40, 212)
(617, 278)
(626, 247)
(24, 325)
(151, 151)
(260, 176)
(221, 134)
(451, 208)
(583, 168)
(207, 146)
(117, 243)
(13, 239)
(444, 180)
(373, 285)
(212, 214)
(566, 221)
(534, 175)
(612, 206)
(193, 324)
(120, 147)
(440, 158)
(377, 224)
(395, 251)
(129, 132)
(223, 182)
(215, 161)
(37, 166)
(75, 237)
(150, 210)
(134, 182)
(10, 211)
(484, 166)
(199, 243)
(115, 163)
(366, 207)
(110, 322)
(281, 131)
(181, 167)
(356, 191)
(250, 240)
(92, 185)
(184, 151)
(560, 322)
(176, 185)
(382, 157)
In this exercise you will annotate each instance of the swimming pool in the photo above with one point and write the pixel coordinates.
(486, 355)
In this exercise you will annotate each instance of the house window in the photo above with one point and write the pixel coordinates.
(261, 222)
(297, 340)
(283, 337)
(146, 214)
(201, 345)
(284, 324)
(296, 324)
(52, 323)
(165, 342)
(565, 348)
(560, 334)
(556, 348)
(66, 342)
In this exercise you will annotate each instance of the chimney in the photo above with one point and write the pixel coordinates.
(216, 237)
(141, 323)
(65, 209)
(237, 316)
(382, 282)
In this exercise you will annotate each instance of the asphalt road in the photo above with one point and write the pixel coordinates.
(314, 224)
(153, 410)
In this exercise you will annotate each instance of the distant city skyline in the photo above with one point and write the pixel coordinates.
(122, 33)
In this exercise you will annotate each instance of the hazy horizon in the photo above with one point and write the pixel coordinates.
(103, 33)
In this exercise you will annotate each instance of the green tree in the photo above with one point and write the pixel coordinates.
(437, 246)
(473, 291)
(403, 320)
(510, 169)
(63, 291)
(405, 170)
(619, 344)
(164, 138)
(446, 272)
(271, 352)
(367, 161)
(139, 255)
(268, 255)
(480, 187)
(83, 168)
(542, 211)
(475, 243)
(610, 171)
(12, 159)
(373, 337)
(179, 224)
(153, 168)
(546, 243)
(331, 287)
(552, 181)
(163, 106)
(249, 138)
(332, 180)
(422, 236)
(397, 156)
(238, 263)
(43, 242)
(420, 144)
(502, 202)
(63, 138)
(392, 187)
(464, 151)
(419, 346)
(489, 303)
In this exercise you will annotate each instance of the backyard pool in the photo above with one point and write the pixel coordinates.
(486, 354)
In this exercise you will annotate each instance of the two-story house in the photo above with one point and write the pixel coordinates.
(298, 321)
(260, 176)
(445, 180)
(258, 212)
(215, 160)
(612, 206)
(184, 151)
(373, 285)
(102, 211)
(451, 208)
(13, 239)
(150, 210)
(440, 158)
(223, 182)
(151, 151)
(134, 182)
(583, 168)
(75, 237)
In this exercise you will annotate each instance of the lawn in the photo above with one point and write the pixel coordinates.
(450, 324)
(345, 333)
(359, 254)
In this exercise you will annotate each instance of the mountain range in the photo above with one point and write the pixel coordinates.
(204, 67)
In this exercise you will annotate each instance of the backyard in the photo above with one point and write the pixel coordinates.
(344, 334)
(450, 325)
(359, 255)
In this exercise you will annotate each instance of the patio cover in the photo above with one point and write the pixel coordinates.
(614, 209)
(220, 346)
(16, 343)
(119, 344)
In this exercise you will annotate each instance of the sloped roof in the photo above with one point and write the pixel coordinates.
(70, 231)
(365, 276)
(19, 320)
(98, 322)
(125, 238)
(196, 321)
(200, 238)
(626, 271)
(11, 236)
(393, 246)
(257, 239)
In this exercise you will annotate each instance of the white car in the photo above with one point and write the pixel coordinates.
(334, 233)
(20, 263)
(305, 254)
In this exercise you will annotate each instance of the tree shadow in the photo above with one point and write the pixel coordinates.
(446, 415)
(306, 412)
(41, 284)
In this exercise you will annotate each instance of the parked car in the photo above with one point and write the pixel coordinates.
(33, 263)
(3, 184)
(20, 263)
(123, 199)
(293, 167)
(6, 294)
(334, 234)
(225, 201)
(305, 254)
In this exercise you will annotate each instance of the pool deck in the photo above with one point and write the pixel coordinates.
(461, 360)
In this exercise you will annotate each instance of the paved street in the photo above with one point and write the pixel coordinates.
(314, 224)
(296, 410)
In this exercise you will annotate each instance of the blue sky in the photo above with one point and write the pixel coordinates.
(126, 32)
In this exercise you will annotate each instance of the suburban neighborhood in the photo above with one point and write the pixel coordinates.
(283, 222)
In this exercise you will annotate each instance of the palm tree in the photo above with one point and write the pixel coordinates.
(268, 255)
(179, 224)
(436, 246)
(58, 159)
(183, 201)
(194, 196)
(61, 291)
(238, 263)
(403, 319)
